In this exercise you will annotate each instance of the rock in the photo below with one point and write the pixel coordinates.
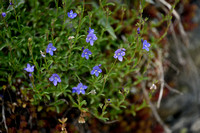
(196, 126)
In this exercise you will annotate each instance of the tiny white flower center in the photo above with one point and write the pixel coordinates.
(118, 53)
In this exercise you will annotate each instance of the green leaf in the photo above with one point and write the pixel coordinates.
(110, 4)
(48, 97)
(83, 103)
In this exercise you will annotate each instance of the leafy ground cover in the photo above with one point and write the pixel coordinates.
(64, 63)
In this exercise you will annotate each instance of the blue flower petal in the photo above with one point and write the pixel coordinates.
(28, 65)
(83, 54)
(55, 82)
(91, 42)
(85, 87)
(120, 58)
(53, 48)
(122, 53)
(86, 56)
(97, 74)
(79, 85)
(92, 72)
(51, 53)
(51, 78)
(83, 91)
(73, 91)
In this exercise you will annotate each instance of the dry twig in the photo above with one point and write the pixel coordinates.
(161, 76)
(3, 115)
(154, 111)
(177, 16)
(172, 89)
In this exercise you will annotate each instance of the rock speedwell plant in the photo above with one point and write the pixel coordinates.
(68, 73)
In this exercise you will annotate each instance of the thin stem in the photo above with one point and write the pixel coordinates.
(69, 56)
(106, 76)
(16, 18)
(79, 25)
(79, 106)
(32, 81)
(64, 8)
(56, 8)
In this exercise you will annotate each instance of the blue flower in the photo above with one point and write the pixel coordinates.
(119, 54)
(91, 37)
(29, 68)
(86, 53)
(71, 14)
(50, 49)
(79, 89)
(96, 70)
(138, 30)
(91, 30)
(55, 79)
(142, 40)
(146, 45)
(3, 14)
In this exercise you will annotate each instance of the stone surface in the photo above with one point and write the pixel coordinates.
(182, 112)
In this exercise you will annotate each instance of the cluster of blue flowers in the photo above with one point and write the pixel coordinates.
(91, 38)
(119, 54)
(86, 53)
(55, 79)
(96, 70)
(50, 49)
(79, 89)
(71, 14)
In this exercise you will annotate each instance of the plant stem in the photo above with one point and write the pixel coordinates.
(16, 18)
(106, 76)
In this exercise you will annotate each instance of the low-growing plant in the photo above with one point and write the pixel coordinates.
(76, 53)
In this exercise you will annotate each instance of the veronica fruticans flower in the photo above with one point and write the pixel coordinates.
(3, 14)
(96, 70)
(86, 53)
(146, 45)
(91, 37)
(29, 68)
(50, 49)
(79, 89)
(71, 14)
(119, 54)
(91, 30)
(55, 79)
(138, 30)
